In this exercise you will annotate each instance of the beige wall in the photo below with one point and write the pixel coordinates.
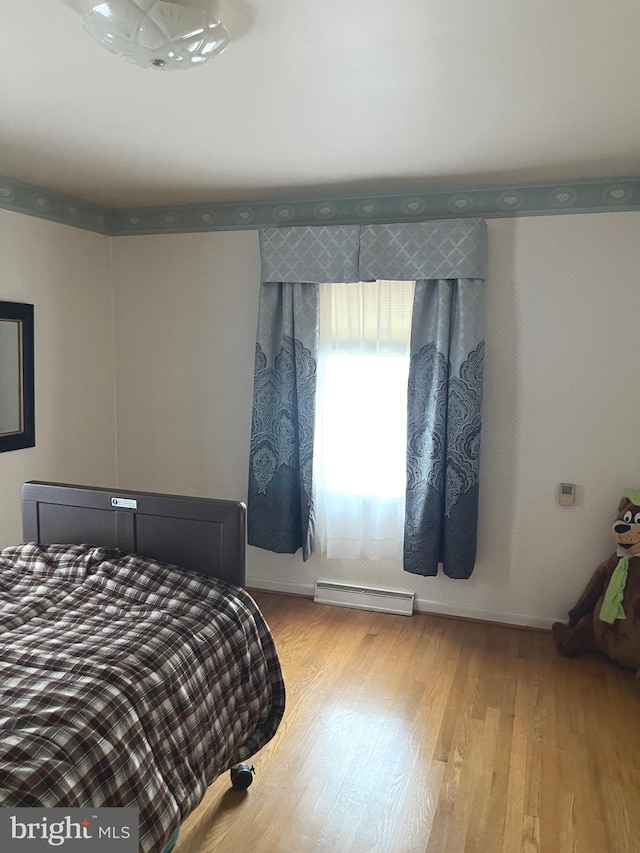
(185, 318)
(561, 404)
(66, 274)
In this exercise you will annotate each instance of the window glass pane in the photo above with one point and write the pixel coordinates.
(365, 424)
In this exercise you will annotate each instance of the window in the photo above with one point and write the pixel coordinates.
(361, 418)
(446, 259)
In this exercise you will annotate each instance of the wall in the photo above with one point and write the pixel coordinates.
(185, 320)
(66, 274)
(562, 308)
(560, 393)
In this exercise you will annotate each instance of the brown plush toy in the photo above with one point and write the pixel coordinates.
(607, 615)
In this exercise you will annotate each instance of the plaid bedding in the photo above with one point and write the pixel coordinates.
(125, 682)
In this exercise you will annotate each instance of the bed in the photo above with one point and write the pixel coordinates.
(126, 681)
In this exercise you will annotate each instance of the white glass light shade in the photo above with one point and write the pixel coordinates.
(156, 34)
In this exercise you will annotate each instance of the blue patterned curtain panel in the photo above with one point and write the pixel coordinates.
(443, 428)
(280, 501)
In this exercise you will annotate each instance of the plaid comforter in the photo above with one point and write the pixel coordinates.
(125, 682)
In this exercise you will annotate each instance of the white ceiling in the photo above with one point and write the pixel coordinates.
(332, 97)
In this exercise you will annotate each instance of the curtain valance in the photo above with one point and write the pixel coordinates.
(327, 253)
(451, 248)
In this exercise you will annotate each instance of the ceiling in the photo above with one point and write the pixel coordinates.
(326, 98)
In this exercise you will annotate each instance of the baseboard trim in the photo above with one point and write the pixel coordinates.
(286, 587)
(479, 614)
(422, 605)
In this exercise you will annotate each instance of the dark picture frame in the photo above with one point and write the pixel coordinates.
(17, 383)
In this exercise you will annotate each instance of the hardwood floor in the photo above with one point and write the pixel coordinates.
(432, 735)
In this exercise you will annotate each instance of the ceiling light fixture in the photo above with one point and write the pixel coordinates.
(156, 33)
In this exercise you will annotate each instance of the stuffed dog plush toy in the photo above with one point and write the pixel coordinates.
(606, 618)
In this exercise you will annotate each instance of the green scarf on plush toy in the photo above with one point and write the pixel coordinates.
(612, 608)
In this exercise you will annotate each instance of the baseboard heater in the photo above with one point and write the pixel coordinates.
(364, 598)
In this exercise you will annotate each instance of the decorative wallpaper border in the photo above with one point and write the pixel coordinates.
(598, 196)
(34, 201)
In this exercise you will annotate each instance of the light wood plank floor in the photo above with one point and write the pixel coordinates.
(432, 735)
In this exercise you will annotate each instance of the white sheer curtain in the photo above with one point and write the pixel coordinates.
(361, 418)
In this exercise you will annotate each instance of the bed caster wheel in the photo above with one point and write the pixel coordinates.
(242, 776)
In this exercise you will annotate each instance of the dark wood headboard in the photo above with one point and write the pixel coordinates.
(203, 534)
